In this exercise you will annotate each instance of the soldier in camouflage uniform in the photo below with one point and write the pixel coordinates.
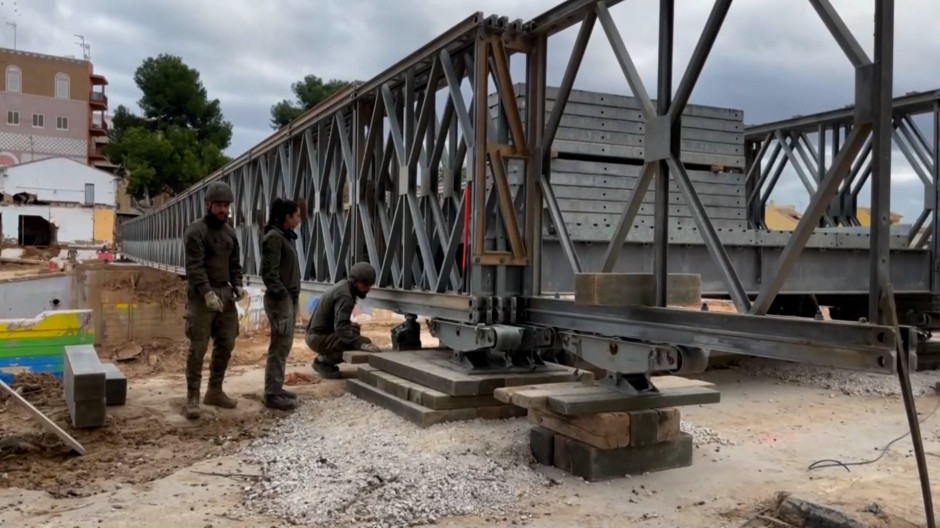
(330, 331)
(214, 284)
(280, 270)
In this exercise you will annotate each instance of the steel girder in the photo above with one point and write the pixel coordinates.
(366, 164)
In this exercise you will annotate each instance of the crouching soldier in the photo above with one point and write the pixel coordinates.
(331, 331)
(213, 285)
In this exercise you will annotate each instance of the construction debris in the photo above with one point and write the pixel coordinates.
(43, 419)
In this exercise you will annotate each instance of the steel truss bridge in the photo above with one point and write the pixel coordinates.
(378, 169)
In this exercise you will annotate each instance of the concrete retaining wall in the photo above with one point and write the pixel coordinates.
(38, 344)
(28, 296)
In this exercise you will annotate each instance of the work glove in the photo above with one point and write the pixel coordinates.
(239, 293)
(369, 347)
(213, 302)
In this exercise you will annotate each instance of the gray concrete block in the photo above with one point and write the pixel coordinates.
(115, 384)
(84, 377)
(88, 413)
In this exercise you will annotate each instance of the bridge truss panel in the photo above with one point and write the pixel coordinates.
(367, 164)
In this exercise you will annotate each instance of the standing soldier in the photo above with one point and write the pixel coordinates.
(214, 284)
(280, 270)
(331, 331)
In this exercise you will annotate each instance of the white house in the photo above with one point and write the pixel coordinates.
(77, 199)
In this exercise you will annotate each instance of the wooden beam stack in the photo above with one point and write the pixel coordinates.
(596, 432)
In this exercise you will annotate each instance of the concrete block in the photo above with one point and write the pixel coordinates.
(115, 385)
(635, 289)
(85, 386)
(88, 413)
(84, 376)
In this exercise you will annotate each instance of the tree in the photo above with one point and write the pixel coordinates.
(309, 92)
(180, 137)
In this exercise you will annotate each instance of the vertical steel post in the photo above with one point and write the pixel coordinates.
(935, 217)
(663, 102)
(879, 272)
(535, 113)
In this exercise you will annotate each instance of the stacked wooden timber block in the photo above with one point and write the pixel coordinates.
(91, 386)
(425, 388)
(599, 433)
(598, 155)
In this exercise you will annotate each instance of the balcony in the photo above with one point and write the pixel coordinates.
(96, 152)
(98, 80)
(98, 129)
(98, 100)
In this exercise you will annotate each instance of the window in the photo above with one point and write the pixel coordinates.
(14, 79)
(62, 123)
(62, 86)
(13, 118)
(89, 194)
(38, 120)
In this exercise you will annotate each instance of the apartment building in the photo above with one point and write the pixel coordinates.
(51, 107)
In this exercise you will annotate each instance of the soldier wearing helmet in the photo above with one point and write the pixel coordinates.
(214, 284)
(331, 331)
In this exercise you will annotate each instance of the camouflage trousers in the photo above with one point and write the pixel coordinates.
(330, 347)
(203, 324)
(282, 315)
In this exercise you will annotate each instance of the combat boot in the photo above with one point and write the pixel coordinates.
(192, 404)
(215, 396)
(280, 401)
(289, 394)
(325, 370)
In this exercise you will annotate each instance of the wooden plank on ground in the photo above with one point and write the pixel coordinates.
(423, 416)
(430, 368)
(419, 394)
(44, 420)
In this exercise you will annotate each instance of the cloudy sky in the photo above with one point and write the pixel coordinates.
(774, 58)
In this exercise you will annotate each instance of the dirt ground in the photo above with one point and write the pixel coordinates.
(149, 464)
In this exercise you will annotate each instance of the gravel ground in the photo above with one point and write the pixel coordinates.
(344, 462)
(704, 436)
(848, 382)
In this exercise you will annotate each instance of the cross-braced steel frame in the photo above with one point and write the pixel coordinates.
(811, 144)
(367, 165)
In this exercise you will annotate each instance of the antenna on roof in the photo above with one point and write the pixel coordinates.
(86, 48)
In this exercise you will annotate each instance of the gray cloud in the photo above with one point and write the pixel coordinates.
(773, 59)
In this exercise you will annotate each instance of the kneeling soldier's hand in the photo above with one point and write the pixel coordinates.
(213, 302)
(369, 347)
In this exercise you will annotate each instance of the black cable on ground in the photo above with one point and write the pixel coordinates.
(838, 463)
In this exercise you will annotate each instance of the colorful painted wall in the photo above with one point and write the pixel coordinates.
(38, 344)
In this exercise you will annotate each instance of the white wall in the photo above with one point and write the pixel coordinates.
(76, 224)
(10, 217)
(59, 180)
